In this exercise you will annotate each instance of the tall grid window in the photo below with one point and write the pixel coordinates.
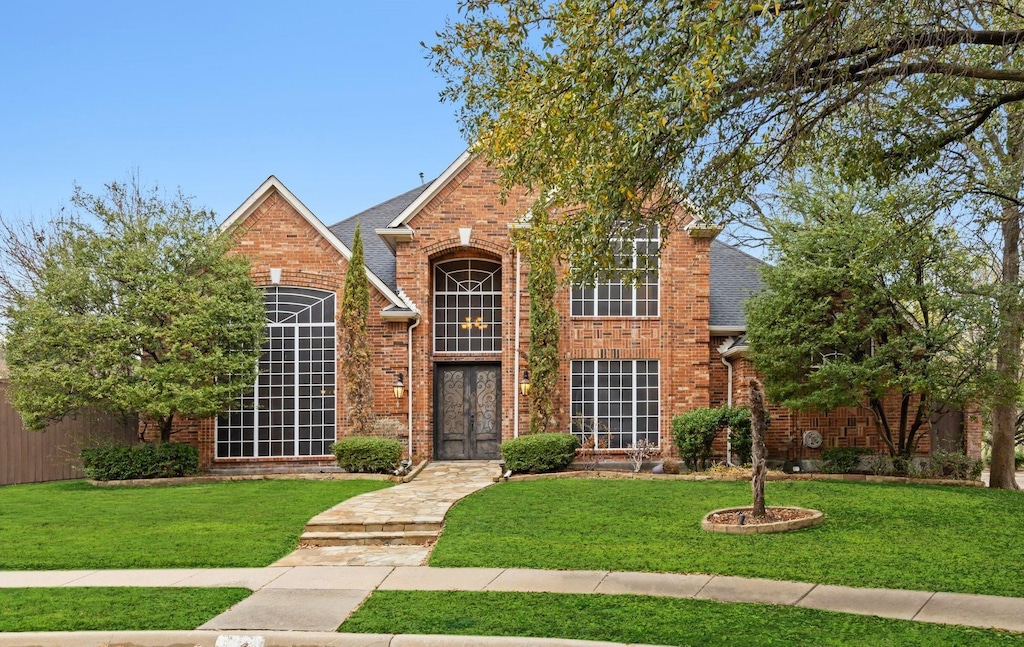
(616, 297)
(290, 410)
(467, 306)
(615, 402)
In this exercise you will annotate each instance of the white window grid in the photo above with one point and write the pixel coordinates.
(290, 410)
(467, 306)
(614, 297)
(615, 403)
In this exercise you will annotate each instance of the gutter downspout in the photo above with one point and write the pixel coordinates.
(515, 361)
(728, 400)
(409, 346)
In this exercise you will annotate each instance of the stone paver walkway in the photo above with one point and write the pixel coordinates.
(319, 598)
(394, 526)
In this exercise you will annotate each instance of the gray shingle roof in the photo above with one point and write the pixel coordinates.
(379, 257)
(735, 276)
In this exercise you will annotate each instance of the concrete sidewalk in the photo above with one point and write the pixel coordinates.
(320, 598)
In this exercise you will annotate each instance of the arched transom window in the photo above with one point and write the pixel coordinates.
(290, 410)
(467, 306)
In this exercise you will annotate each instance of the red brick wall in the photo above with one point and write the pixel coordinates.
(275, 235)
(843, 427)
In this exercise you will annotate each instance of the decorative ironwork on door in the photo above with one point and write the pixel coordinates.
(467, 411)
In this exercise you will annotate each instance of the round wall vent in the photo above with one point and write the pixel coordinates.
(812, 439)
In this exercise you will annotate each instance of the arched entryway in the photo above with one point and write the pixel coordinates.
(467, 351)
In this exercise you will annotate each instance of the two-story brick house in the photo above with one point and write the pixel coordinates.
(449, 321)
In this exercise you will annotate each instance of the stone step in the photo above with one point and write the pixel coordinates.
(390, 526)
(367, 538)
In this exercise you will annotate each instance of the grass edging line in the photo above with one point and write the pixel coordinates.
(221, 478)
(772, 476)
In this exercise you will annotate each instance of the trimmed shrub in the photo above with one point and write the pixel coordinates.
(539, 452)
(368, 454)
(117, 462)
(696, 430)
(842, 460)
(953, 465)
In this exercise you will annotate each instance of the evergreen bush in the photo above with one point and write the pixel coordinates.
(117, 462)
(539, 452)
(368, 454)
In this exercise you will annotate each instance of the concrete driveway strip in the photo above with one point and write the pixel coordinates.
(974, 611)
(363, 578)
(290, 609)
(538, 581)
(887, 603)
(425, 578)
(661, 584)
(745, 589)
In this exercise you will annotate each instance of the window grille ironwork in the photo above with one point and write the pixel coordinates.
(467, 306)
(290, 410)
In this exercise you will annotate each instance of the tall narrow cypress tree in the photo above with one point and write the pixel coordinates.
(543, 358)
(357, 358)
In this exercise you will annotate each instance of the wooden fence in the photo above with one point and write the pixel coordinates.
(50, 455)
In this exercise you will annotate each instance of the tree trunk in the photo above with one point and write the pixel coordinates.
(758, 424)
(1004, 413)
(166, 425)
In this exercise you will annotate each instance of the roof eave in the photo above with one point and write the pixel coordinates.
(435, 187)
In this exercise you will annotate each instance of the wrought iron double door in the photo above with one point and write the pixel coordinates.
(467, 411)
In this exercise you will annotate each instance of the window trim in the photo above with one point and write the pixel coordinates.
(497, 340)
(596, 403)
(590, 291)
(253, 393)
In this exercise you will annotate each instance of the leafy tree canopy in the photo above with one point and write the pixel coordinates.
(614, 109)
(130, 304)
(870, 302)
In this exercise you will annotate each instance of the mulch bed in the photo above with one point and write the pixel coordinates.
(772, 515)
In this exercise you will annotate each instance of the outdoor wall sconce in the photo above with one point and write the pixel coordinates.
(524, 386)
(399, 387)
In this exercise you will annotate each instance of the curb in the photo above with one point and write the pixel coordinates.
(277, 639)
(772, 476)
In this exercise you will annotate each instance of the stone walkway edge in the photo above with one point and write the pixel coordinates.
(275, 586)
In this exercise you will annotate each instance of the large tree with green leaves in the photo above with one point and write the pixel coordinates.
(130, 304)
(621, 111)
(871, 303)
(357, 357)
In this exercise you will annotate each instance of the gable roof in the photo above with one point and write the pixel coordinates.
(271, 184)
(379, 257)
(432, 189)
(735, 276)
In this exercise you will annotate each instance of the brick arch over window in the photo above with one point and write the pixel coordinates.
(442, 247)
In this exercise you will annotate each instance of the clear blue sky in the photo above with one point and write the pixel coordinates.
(334, 98)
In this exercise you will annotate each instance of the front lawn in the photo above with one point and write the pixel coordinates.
(955, 539)
(74, 525)
(113, 609)
(648, 620)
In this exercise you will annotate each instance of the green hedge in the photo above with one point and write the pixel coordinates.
(695, 431)
(117, 462)
(539, 452)
(842, 460)
(368, 454)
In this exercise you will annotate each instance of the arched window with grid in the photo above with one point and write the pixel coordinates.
(290, 410)
(467, 306)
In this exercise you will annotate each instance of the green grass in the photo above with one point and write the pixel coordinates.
(954, 539)
(640, 619)
(113, 609)
(74, 525)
